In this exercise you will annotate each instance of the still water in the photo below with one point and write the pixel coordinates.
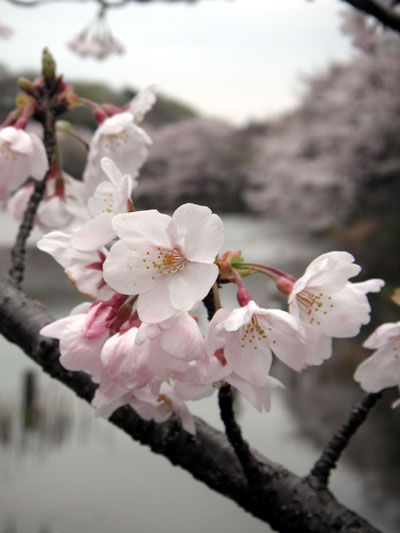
(63, 471)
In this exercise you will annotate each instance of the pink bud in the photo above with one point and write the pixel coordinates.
(284, 284)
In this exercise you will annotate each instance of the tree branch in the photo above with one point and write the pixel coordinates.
(248, 461)
(290, 504)
(327, 462)
(46, 113)
(388, 16)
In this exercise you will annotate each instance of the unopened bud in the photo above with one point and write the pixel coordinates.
(284, 284)
(48, 64)
(25, 105)
(25, 85)
(64, 126)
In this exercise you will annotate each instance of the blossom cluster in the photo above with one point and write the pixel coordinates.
(147, 272)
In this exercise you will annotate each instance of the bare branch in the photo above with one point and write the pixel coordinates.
(290, 504)
(327, 462)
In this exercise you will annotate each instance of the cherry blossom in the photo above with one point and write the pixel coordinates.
(22, 155)
(167, 261)
(158, 407)
(120, 139)
(249, 335)
(79, 350)
(111, 197)
(62, 206)
(142, 103)
(96, 39)
(83, 268)
(382, 369)
(328, 304)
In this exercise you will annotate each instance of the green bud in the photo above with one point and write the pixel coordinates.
(25, 85)
(64, 126)
(48, 64)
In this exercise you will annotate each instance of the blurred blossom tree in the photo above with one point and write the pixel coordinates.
(136, 351)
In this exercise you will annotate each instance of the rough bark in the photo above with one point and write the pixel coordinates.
(287, 502)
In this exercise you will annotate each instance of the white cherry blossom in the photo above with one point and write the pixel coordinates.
(328, 304)
(83, 268)
(22, 155)
(167, 261)
(61, 207)
(112, 196)
(248, 335)
(382, 369)
(120, 139)
(78, 350)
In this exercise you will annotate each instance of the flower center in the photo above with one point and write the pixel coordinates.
(115, 141)
(169, 261)
(314, 306)
(7, 153)
(254, 333)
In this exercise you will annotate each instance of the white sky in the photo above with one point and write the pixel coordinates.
(234, 59)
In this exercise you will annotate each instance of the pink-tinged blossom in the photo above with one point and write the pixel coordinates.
(382, 369)
(125, 361)
(120, 139)
(248, 335)
(62, 205)
(111, 197)
(22, 155)
(84, 333)
(149, 406)
(83, 268)
(167, 261)
(328, 304)
(78, 350)
(258, 397)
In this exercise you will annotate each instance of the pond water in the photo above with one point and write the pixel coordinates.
(62, 470)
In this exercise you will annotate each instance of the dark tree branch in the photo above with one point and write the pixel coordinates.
(290, 504)
(249, 463)
(46, 113)
(327, 462)
(388, 16)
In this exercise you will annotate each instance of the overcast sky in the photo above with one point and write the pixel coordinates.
(234, 59)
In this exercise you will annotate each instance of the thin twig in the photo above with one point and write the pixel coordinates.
(331, 455)
(16, 274)
(248, 461)
(46, 113)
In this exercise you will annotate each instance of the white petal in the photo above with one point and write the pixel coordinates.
(125, 270)
(154, 305)
(201, 233)
(94, 234)
(191, 284)
(143, 225)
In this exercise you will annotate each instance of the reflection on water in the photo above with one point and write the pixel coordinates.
(63, 470)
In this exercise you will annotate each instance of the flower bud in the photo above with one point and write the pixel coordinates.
(25, 85)
(48, 64)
